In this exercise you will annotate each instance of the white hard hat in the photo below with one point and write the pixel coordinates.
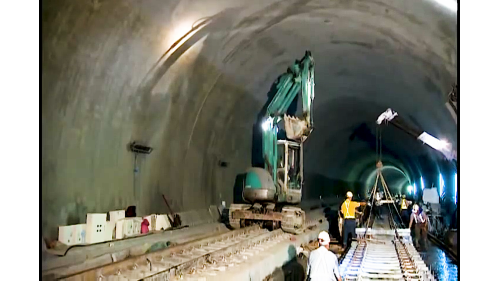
(349, 194)
(324, 238)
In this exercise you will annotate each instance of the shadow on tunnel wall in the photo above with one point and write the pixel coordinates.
(257, 157)
(316, 185)
(294, 270)
(239, 184)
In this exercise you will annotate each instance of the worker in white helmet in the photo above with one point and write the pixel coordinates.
(323, 264)
(421, 220)
(348, 211)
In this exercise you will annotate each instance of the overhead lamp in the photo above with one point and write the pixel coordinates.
(441, 185)
(266, 125)
(456, 195)
(440, 145)
(409, 188)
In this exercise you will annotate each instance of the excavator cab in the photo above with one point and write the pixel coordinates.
(289, 172)
(260, 187)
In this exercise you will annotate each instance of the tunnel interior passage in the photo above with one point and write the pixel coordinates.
(112, 75)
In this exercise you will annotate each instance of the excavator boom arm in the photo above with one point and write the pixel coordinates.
(298, 78)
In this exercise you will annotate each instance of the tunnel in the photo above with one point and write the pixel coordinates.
(188, 78)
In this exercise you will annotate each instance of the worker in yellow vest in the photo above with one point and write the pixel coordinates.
(404, 209)
(348, 210)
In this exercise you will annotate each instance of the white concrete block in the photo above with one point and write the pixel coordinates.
(96, 227)
(131, 227)
(137, 226)
(128, 227)
(119, 229)
(109, 230)
(66, 235)
(162, 222)
(79, 233)
(115, 216)
(72, 234)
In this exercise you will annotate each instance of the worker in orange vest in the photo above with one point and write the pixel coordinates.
(348, 211)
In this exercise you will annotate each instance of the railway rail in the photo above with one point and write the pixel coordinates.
(180, 260)
(384, 259)
(384, 252)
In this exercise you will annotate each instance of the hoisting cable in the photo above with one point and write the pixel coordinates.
(380, 143)
(384, 184)
(372, 193)
(372, 197)
(376, 144)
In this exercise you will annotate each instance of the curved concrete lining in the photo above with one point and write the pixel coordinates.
(107, 80)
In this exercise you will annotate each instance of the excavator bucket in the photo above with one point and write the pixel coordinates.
(295, 128)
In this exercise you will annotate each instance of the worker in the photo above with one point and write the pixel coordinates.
(323, 264)
(421, 220)
(378, 206)
(404, 208)
(348, 210)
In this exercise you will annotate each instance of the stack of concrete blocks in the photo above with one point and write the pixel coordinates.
(97, 229)
(72, 234)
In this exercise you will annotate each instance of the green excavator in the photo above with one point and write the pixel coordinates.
(273, 192)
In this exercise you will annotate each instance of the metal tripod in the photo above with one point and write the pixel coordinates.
(388, 196)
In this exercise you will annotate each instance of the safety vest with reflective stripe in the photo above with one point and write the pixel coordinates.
(419, 218)
(403, 204)
(349, 209)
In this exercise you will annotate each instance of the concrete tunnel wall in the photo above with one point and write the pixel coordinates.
(106, 81)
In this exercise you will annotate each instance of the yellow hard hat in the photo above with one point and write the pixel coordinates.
(349, 194)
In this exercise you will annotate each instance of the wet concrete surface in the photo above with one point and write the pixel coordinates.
(444, 268)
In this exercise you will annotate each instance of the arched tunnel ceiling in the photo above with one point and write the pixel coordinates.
(108, 79)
